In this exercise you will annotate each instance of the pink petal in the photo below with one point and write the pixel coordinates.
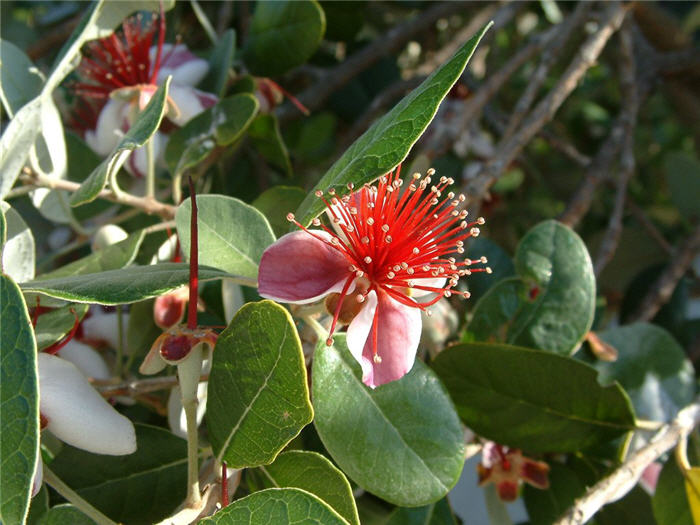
(398, 333)
(187, 69)
(299, 268)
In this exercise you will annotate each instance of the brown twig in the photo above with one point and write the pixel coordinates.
(622, 480)
(628, 87)
(146, 204)
(543, 112)
(649, 226)
(138, 387)
(336, 77)
(663, 288)
(550, 55)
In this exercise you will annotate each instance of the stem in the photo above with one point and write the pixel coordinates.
(204, 21)
(177, 188)
(120, 345)
(193, 495)
(64, 490)
(194, 262)
(150, 170)
(321, 332)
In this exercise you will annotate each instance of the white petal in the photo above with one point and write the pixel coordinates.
(176, 414)
(189, 103)
(137, 163)
(77, 414)
(88, 361)
(107, 235)
(39, 474)
(108, 132)
(359, 330)
(103, 326)
(187, 69)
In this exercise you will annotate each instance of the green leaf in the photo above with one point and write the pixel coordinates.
(53, 326)
(670, 501)
(401, 441)
(652, 368)
(267, 138)
(220, 64)
(221, 124)
(232, 235)
(276, 203)
(18, 257)
(635, 508)
(16, 142)
(388, 141)
(141, 330)
(112, 257)
(258, 395)
(65, 514)
(313, 473)
(286, 506)
(283, 35)
(438, 513)
(127, 285)
(145, 125)
(20, 79)
(19, 404)
(143, 487)
(532, 399)
(551, 305)
(38, 506)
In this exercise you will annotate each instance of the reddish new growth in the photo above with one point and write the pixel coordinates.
(122, 60)
(400, 242)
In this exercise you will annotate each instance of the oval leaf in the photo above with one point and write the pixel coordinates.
(283, 35)
(276, 203)
(221, 124)
(531, 399)
(438, 513)
(652, 368)
(65, 515)
(18, 254)
(402, 441)
(258, 397)
(552, 307)
(232, 234)
(388, 141)
(145, 125)
(266, 136)
(670, 501)
(127, 285)
(279, 507)
(313, 473)
(53, 326)
(19, 404)
(143, 487)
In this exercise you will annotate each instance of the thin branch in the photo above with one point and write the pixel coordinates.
(663, 288)
(628, 87)
(147, 205)
(336, 77)
(508, 149)
(649, 227)
(622, 480)
(549, 57)
(138, 387)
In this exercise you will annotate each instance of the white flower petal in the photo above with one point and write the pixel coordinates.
(103, 327)
(359, 330)
(187, 69)
(189, 103)
(77, 414)
(86, 359)
(108, 132)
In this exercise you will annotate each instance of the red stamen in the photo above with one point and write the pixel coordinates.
(194, 261)
(294, 100)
